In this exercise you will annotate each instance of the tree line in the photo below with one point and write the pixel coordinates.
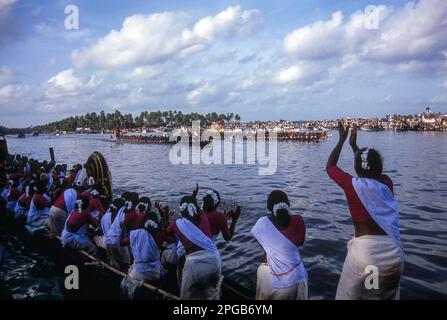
(117, 120)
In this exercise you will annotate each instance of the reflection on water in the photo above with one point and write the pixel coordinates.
(416, 161)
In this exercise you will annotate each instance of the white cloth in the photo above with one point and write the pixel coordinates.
(381, 205)
(113, 235)
(145, 251)
(19, 210)
(196, 236)
(76, 240)
(106, 222)
(265, 291)
(283, 256)
(35, 214)
(201, 277)
(81, 176)
(379, 251)
(70, 196)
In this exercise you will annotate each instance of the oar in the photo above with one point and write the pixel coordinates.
(152, 288)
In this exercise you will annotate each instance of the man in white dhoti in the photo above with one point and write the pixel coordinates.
(282, 276)
(118, 255)
(375, 259)
(201, 275)
(146, 254)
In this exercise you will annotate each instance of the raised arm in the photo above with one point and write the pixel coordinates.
(353, 138)
(335, 154)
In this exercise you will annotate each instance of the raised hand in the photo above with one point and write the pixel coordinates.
(343, 131)
(353, 138)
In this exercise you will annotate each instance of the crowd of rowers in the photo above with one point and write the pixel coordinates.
(146, 237)
(144, 139)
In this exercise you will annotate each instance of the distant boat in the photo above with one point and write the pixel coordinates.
(21, 136)
(35, 134)
(371, 128)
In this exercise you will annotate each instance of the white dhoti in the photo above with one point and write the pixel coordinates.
(100, 241)
(57, 218)
(265, 291)
(201, 278)
(364, 255)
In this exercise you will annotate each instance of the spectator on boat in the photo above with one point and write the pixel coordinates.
(219, 220)
(375, 215)
(39, 208)
(281, 275)
(74, 234)
(201, 276)
(106, 222)
(146, 254)
(63, 205)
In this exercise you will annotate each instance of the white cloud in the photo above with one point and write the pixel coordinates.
(414, 37)
(68, 83)
(289, 74)
(6, 4)
(145, 72)
(147, 39)
(202, 92)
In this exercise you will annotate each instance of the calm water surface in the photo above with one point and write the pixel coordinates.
(416, 162)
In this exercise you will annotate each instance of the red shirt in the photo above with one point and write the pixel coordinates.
(133, 220)
(14, 194)
(204, 226)
(78, 219)
(40, 202)
(25, 201)
(296, 230)
(218, 223)
(95, 204)
(356, 207)
(60, 202)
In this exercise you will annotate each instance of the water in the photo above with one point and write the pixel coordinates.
(416, 162)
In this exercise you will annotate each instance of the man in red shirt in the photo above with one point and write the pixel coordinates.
(74, 233)
(218, 220)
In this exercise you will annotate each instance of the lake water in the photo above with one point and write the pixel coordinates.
(416, 162)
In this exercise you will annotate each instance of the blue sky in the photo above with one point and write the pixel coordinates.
(261, 59)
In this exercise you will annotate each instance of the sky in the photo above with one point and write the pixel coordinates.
(265, 60)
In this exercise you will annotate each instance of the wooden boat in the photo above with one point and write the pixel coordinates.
(98, 279)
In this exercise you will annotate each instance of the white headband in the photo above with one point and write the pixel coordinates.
(94, 192)
(191, 208)
(151, 223)
(79, 204)
(128, 205)
(113, 206)
(279, 206)
(145, 205)
(91, 181)
(364, 157)
(213, 195)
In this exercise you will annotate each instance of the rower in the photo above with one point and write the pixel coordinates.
(95, 206)
(62, 207)
(119, 256)
(74, 234)
(201, 276)
(24, 202)
(13, 195)
(146, 253)
(218, 220)
(281, 275)
(106, 222)
(39, 208)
